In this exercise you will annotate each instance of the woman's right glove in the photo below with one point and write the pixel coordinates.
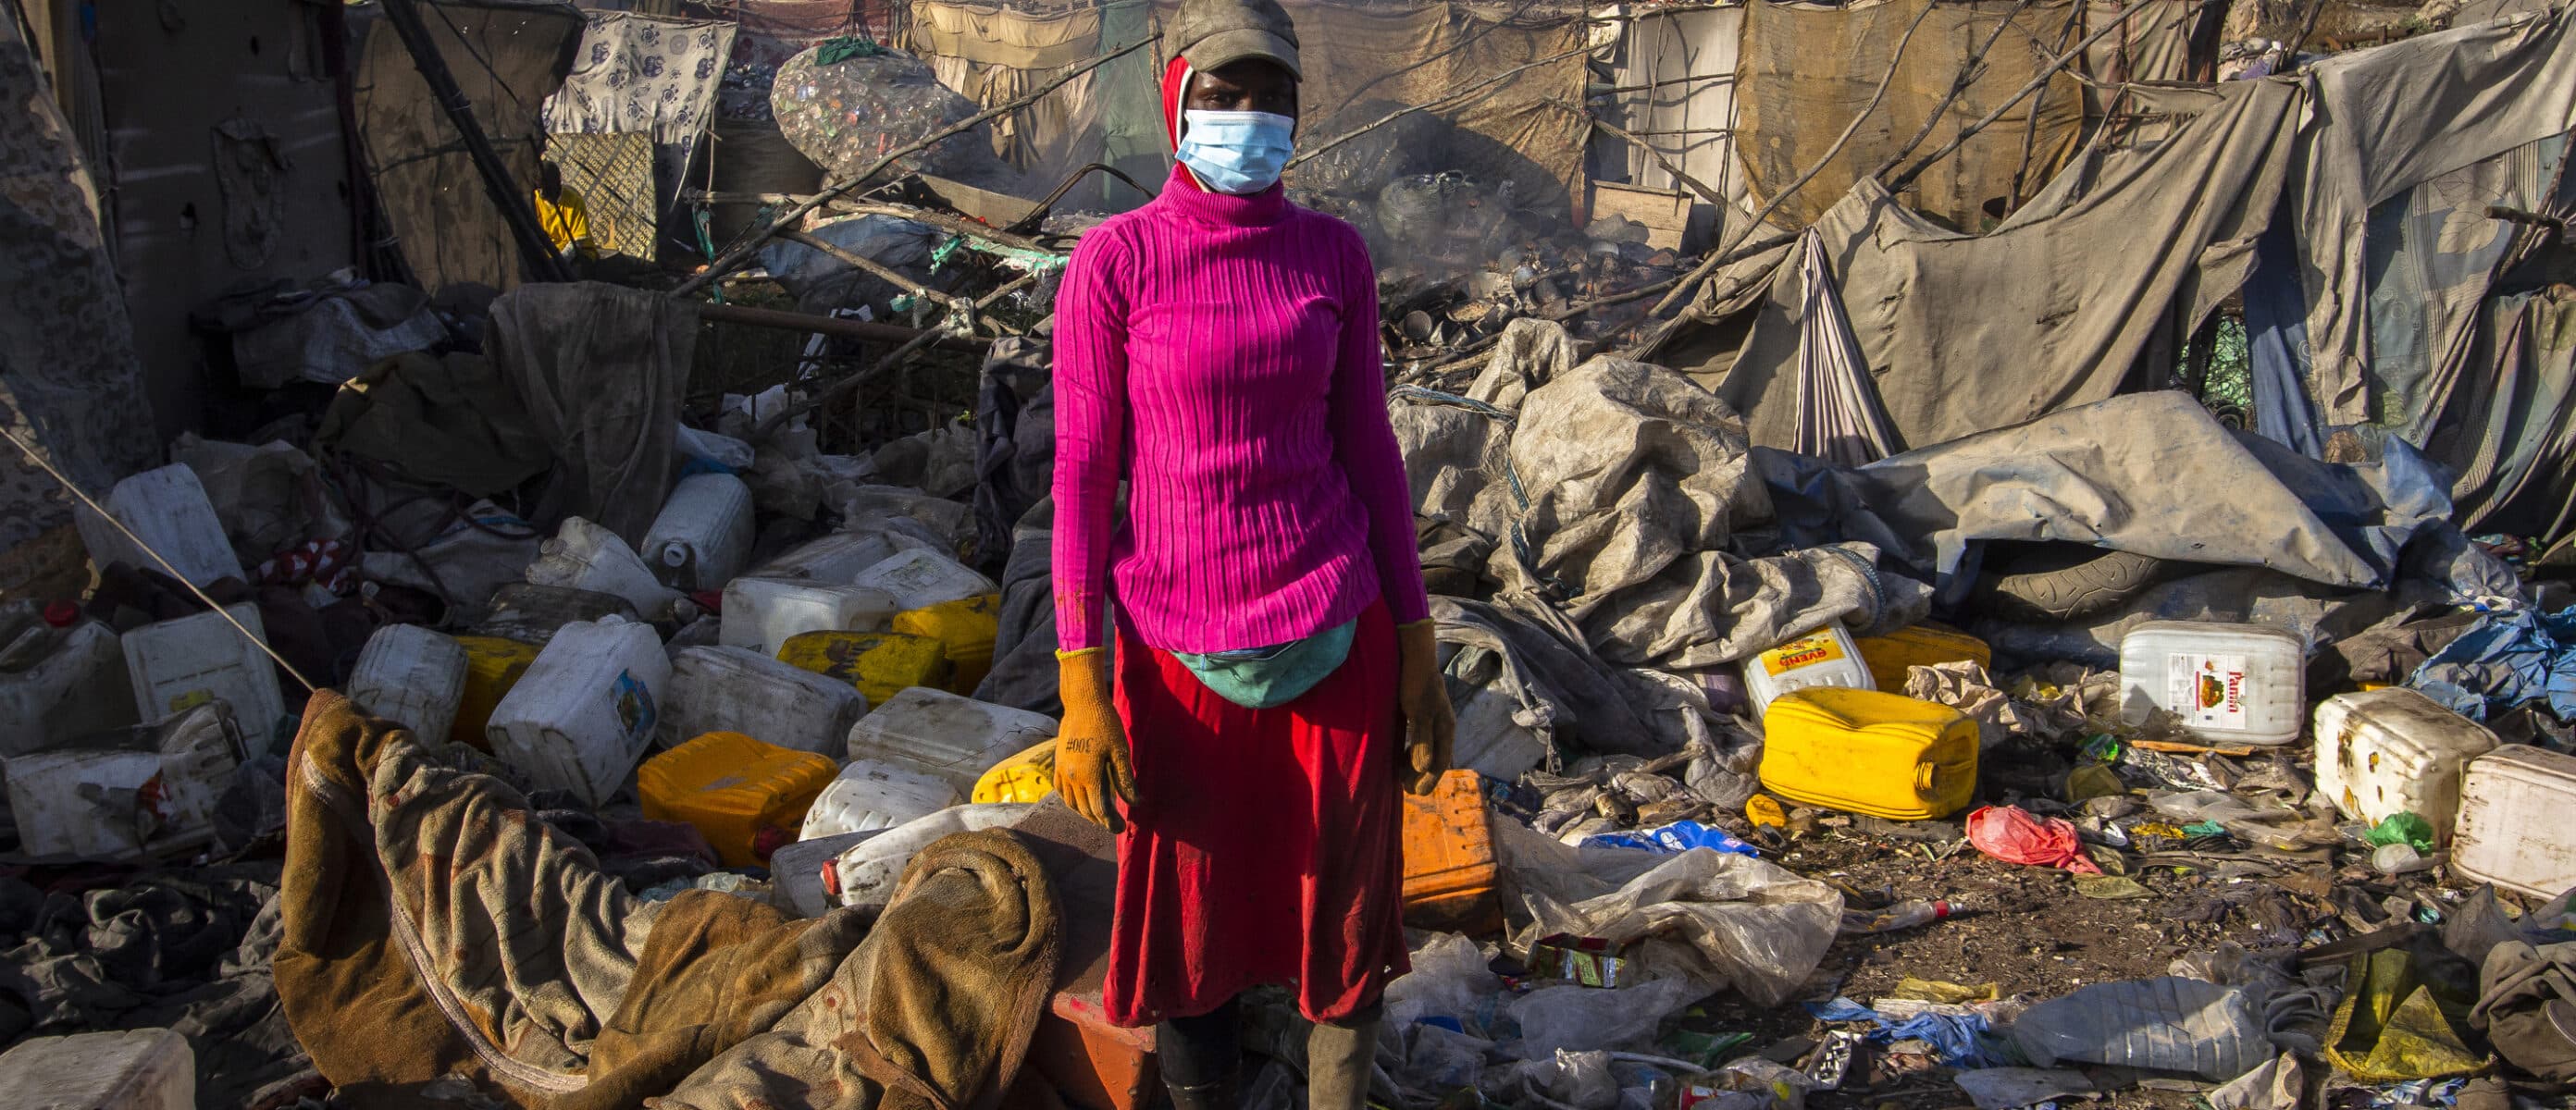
(1090, 747)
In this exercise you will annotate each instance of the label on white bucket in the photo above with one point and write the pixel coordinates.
(635, 708)
(2209, 691)
(1805, 651)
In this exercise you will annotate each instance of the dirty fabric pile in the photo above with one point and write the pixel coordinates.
(447, 934)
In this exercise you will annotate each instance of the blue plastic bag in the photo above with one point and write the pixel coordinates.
(1674, 839)
(2509, 659)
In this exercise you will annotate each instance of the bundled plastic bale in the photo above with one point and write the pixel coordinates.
(863, 103)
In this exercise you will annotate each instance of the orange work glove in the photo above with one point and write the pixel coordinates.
(1422, 696)
(1090, 747)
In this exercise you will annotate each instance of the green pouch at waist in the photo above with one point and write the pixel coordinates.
(1265, 678)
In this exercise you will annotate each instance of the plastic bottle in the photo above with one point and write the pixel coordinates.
(582, 715)
(2402, 859)
(61, 676)
(703, 534)
(919, 579)
(178, 664)
(587, 556)
(168, 509)
(1903, 915)
(411, 676)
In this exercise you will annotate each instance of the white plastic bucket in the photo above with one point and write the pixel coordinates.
(1827, 656)
(586, 556)
(582, 716)
(77, 686)
(2241, 683)
(762, 613)
(411, 676)
(2513, 828)
(703, 534)
(921, 578)
(835, 559)
(128, 791)
(180, 664)
(2385, 752)
(169, 510)
(725, 689)
(941, 734)
(872, 795)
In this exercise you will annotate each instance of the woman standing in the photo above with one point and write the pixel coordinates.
(1275, 679)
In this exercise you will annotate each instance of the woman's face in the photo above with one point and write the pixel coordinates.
(1250, 85)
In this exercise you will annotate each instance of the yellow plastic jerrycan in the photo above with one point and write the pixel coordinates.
(733, 787)
(1026, 777)
(492, 666)
(966, 628)
(880, 664)
(1868, 751)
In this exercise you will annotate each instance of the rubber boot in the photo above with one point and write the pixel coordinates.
(1220, 1094)
(1340, 1058)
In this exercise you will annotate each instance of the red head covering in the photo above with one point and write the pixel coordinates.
(1176, 86)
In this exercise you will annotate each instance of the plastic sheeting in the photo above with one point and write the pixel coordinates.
(1709, 917)
(2149, 473)
(2163, 1024)
(507, 58)
(2053, 308)
(601, 369)
(1807, 69)
(848, 114)
(1616, 492)
(2508, 660)
(2389, 119)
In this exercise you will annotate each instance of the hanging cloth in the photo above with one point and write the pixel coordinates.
(1840, 418)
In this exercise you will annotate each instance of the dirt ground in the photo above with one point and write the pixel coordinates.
(2024, 929)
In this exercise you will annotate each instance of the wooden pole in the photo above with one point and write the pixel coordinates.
(833, 326)
(537, 251)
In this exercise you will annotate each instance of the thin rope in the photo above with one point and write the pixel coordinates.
(48, 467)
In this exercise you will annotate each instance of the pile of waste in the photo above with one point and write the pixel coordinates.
(1776, 779)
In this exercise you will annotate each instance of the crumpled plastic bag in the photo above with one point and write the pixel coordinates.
(1581, 1080)
(2016, 835)
(1555, 1020)
(2509, 659)
(1709, 917)
(1449, 980)
(2392, 1026)
(2164, 1024)
(1967, 687)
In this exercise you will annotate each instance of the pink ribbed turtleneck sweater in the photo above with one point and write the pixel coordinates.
(1220, 353)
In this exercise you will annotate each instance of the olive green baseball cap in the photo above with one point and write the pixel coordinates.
(1214, 33)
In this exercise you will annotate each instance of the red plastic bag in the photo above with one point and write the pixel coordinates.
(2016, 835)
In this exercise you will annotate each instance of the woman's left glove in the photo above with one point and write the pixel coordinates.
(1422, 696)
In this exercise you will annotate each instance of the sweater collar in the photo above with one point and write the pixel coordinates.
(1185, 197)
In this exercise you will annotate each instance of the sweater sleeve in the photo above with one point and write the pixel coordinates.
(1090, 435)
(1364, 441)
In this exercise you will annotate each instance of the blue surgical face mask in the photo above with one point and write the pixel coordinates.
(1235, 152)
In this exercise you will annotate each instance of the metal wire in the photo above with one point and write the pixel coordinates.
(47, 466)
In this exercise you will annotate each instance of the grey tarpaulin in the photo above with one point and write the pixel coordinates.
(2050, 309)
(1024, 670)
(2150, 473)
(601, 369)
(2513, 436)
(1839, 417)
(1567, 696)
(1015, 460)
(1617, 491)
(2388, 119)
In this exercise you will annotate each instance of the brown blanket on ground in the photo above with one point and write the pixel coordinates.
(434, 928)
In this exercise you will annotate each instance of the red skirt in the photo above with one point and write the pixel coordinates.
(1265, 845)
